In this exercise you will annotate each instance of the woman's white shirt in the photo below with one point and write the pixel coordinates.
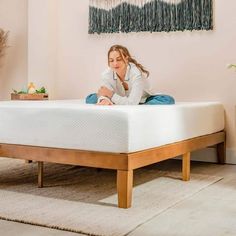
(138, 86)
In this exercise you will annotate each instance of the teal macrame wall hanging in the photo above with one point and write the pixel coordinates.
(114, 16)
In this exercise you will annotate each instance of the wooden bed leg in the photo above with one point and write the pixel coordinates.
(28, 161)
(40, 174)
(124, 188)
(221, 152)
(186, 166)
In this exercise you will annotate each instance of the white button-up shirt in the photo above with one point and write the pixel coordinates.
(138, 86)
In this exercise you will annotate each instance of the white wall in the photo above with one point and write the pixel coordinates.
(189, 65)
(13, 70)
(42, 43)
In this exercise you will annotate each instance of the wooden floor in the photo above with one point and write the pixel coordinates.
(212, 211)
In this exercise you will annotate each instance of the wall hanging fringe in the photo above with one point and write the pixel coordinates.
(114, 16)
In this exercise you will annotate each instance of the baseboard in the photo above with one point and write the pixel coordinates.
(231, 155)
(209, 155)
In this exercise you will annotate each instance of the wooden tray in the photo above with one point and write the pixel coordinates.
(26, 96)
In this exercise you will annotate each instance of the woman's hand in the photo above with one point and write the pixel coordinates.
(104, 91)
(105, 102)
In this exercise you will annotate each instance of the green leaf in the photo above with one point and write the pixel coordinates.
(232, 65)
(22, 92)
(41, 90)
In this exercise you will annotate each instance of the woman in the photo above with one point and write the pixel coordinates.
(125, 82)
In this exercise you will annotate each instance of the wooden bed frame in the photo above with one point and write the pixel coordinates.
(124, 163)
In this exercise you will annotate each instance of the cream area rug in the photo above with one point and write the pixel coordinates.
(84, 200)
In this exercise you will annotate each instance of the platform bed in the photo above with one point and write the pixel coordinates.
(121, 138)
(124, 163)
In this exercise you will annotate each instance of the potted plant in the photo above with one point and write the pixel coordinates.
(232, 66)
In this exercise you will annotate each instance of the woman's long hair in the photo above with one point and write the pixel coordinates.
(124, 52)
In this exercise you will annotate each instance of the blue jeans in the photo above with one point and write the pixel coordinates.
(160, 99)
(91, 98)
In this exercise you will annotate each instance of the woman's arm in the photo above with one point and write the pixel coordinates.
(104, 102)
(105, 86)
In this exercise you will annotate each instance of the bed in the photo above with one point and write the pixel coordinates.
(122, 138)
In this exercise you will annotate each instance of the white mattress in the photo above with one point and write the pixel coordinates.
(120, 129)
